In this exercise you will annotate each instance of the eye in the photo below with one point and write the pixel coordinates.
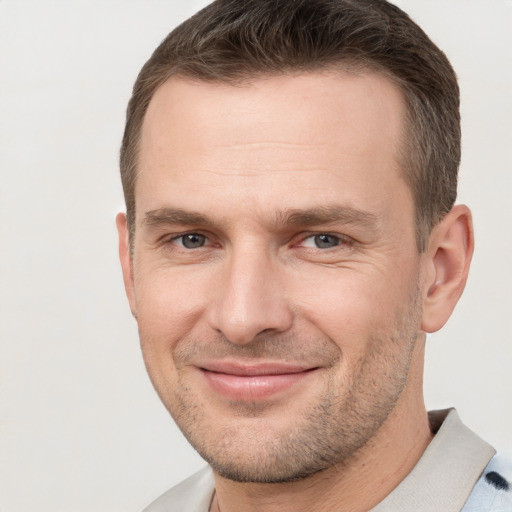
(191, 240)
(321, 241)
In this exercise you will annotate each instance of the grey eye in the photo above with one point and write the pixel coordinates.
(193, 240)
(326, 241)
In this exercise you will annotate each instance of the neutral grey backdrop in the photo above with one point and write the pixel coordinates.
(80, 427)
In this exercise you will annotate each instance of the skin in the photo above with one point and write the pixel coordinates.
(303, 253)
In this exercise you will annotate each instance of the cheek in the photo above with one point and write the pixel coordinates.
(351, 307)
(169, 304)
(167, 310)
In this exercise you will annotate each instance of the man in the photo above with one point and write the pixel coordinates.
(290, 174)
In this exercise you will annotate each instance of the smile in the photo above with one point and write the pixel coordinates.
(255, 382)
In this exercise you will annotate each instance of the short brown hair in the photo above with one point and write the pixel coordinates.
(237, 40)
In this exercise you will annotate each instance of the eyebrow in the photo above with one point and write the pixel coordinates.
(326, 215)
(290, 217)
(173, 216)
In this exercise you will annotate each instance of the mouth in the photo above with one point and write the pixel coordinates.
(253, 382)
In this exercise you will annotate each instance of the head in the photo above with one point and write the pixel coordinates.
(289, 171)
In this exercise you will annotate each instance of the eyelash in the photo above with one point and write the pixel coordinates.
(339, 239)
(174, 238)
(342, 240)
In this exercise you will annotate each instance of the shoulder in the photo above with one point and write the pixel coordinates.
(193, 495)
(493, 491)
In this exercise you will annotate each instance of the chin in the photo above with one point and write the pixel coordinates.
(259, 475)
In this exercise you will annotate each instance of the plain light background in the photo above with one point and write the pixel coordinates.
(81, 429)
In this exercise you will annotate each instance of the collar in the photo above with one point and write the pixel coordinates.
(447, 471)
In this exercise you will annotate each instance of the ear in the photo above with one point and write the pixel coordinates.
(126, 260)
(446, 268)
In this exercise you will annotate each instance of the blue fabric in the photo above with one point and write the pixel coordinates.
(493, 491)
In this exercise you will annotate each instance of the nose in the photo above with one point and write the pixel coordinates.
(250, 298)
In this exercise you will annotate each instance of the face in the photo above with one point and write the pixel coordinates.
(275, 276)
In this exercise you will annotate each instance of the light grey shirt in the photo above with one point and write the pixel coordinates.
(451, 476)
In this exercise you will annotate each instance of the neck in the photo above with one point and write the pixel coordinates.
(357, 484)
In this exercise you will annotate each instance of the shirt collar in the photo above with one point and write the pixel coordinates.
(447, 471)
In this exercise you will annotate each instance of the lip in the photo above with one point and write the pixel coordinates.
(252, 382)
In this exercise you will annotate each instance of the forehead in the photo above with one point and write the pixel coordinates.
(303, 132)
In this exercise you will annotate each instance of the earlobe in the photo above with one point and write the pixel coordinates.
(446, 266)
(126, 260)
